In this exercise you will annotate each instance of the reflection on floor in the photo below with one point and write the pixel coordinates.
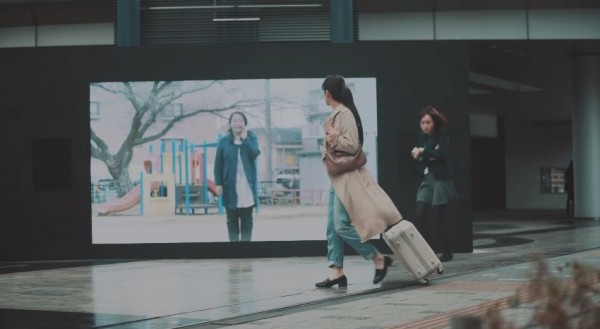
(176, 293)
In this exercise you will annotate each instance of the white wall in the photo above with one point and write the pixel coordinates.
(527, 149)
(485, 24)
(58, 35)
(17, 37)
(396, 26)
(564, 24)
(538, 24)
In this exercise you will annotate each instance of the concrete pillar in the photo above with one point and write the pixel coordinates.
(342, 29)
(586, 136)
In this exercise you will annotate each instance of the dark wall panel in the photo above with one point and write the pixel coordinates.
(488, 168)
(46, 96)
(52, 161)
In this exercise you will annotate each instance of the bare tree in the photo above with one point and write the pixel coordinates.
(148, 104)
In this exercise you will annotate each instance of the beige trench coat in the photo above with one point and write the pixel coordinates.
(370, 209)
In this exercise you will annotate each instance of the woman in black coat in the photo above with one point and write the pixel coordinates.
(437, 189)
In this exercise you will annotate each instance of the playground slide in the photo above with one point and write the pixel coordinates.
(128, 201)
(132, 198)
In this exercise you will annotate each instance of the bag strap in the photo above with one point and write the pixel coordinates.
(333, 120)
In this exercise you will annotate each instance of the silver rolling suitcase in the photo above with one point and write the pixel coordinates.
(410, 246)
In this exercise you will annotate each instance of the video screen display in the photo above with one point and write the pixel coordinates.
(156, 146)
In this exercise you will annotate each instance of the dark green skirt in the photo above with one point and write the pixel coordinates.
(436, 191)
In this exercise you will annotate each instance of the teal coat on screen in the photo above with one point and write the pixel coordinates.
(226, 164)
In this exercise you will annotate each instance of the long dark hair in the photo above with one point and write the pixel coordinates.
(231, 117)
(336, 86)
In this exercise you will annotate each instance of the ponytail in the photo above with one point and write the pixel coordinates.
(336, 86)
(348, 101)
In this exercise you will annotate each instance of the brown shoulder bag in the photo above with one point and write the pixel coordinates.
(338, 162)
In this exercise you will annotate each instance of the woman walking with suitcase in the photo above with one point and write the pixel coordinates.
(437, 189)
(358, 208)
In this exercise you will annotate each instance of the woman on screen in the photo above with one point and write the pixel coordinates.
(358, 208)
(235, 176)
(437, 189)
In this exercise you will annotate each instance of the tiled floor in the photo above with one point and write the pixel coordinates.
(278, 293)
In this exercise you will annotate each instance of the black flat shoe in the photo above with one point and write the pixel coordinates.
(341, 282)
(380, 274)
(446, 257)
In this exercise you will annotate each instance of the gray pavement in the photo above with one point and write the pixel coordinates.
(280, 293)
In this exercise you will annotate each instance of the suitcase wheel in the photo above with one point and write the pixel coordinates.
(440, 270)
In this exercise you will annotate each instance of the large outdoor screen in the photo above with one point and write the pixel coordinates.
(154, 146)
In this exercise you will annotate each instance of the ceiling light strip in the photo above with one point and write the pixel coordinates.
(240, 19)
(188, 7)
(308, 5)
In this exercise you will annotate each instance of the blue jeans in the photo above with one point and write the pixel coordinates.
(339, 229)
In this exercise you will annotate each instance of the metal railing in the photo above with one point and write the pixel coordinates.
(101, 193)
(281, 196)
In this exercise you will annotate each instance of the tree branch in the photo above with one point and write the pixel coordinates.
(170, 125)
(128, 93)
(156, 110)
(176, 96)
(136, 123)
(153, 115)
(100, 150)
(112, 91)
(163, 86)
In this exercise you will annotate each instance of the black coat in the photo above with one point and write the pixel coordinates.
(435, 159)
